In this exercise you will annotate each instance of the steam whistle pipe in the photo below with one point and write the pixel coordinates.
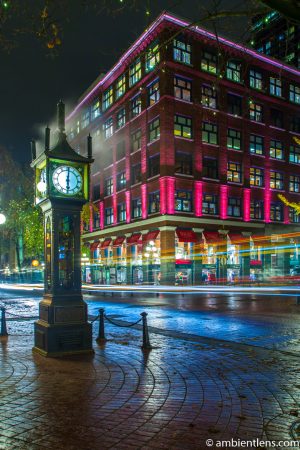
(89, 147)
(61, 116)
(47, 139)
(33, 149)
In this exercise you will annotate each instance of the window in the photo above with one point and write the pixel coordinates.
(209, 133)
(275, 86)
(181, 51)
(233, 71)
(184, 163)
(120, 86)
(108, 128)
(107, 158)
(135, 72)
(121, 181)
(234, 172)
(255, 79)
(85, 119)
(109, 216)
(276, 180)
(95, 110)
(294, 154)
(295, 124)
(294, 183)
(276, 212)
(208, 96)
(154, 129)
(108, 186)
(209, 62)
(210, 168)
(153, 92)
(108, 97)
(136, 106)
(234, 104)
(276, 149)
(234, 207)
(294, 94)
(154, 165)
(210, 204)
(183, 126)
(121, 150)
(96, 220)
(183, 201)
(154, 202)
(255, 112)
(257, 210)
(136, 208)
(121, 211)
(136, 139)
(276, 118)
(152, 56)
(183, 89)
(136, 175)
(293, 216)
(256, 144)
(96, 192)
(256, 176)
(121, 118)
(233, 139)
(78, 126)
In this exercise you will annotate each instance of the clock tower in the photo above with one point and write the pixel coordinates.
(61, 189)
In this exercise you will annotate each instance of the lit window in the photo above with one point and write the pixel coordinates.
(183, 126)
(233, 139)
(135, 72)
(276, 180)
(108, 97)
(108, 128)
(183, 201)
(95, 109)
(108, 186)
(233, 71)
(256, 144)
(209, 62)
(210, 204)
(121, 181)
(294, 183)
(255, 79)
(255, 112)
(120, 86)
(294, 154)
(136, 140)
(152, 57)
(209, 133)
(181, 51)
(121, 212)
(293, 216)
(154, 129)
(294, 94)
(234, 207)
(136, 210)
(183, 89)
(121, 118)
(154, 202)
(153, 93)
(96, 220)
(276, 149)
(276, 212)
(256, 176)
(109, 216)
(208, 96)
(85, 119)
(234, 172)
(136, 106)
(257, 210)
(275, 86)
(78, 126)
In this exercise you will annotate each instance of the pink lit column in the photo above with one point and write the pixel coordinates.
(101, 212)
(128, 206)
(246, 204)
(198, 189)
(223, 201)
(167, 195)
(144, 201)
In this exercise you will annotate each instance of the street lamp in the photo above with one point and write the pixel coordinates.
(2, 222)
(2, 219)
(151, 255)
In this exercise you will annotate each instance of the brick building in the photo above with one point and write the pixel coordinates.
(194, 137)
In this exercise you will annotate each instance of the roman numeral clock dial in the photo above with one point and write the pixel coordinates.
(67, 180)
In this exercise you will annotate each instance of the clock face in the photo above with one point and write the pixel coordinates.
(67, 180)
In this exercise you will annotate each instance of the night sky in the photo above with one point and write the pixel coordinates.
(32, 81)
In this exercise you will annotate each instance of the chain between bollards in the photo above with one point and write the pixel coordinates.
(146, 341)
(3, 330)
(101, 333)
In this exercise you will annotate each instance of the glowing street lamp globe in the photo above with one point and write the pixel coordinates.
(2, 219)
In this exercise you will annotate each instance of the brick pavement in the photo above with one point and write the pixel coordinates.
(175, 397)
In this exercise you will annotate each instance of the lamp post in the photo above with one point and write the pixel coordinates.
(151, 256)
(2, 222)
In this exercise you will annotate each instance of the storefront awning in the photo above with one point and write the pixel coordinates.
(134, 239)
(211, 237)
(94, 246)
(106, 243)
(259, 240)
(118, 241)
(186, 235)
(151, 236)
(235, 238)
(255, 262)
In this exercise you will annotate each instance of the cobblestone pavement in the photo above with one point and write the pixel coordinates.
(174, 397)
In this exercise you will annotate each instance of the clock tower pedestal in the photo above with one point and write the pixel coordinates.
(62, 187)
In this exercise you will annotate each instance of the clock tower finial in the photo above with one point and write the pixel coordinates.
(61, 116)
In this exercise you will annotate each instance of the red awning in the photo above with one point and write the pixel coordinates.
(186, 235)
(106, 243)
(134, 239)
(236, 238)
(118, 241)
(255, 262)
(94, 246)
(151, 236)
(211, 237)
(259, 240)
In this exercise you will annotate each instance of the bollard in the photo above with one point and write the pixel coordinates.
(3, 331)
(101, 334)
(146, 341)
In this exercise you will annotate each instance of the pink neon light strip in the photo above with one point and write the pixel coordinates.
(198, 30)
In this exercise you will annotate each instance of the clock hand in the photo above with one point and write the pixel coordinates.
(68, 178)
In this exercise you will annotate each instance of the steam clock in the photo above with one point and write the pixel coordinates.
(61, 189)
